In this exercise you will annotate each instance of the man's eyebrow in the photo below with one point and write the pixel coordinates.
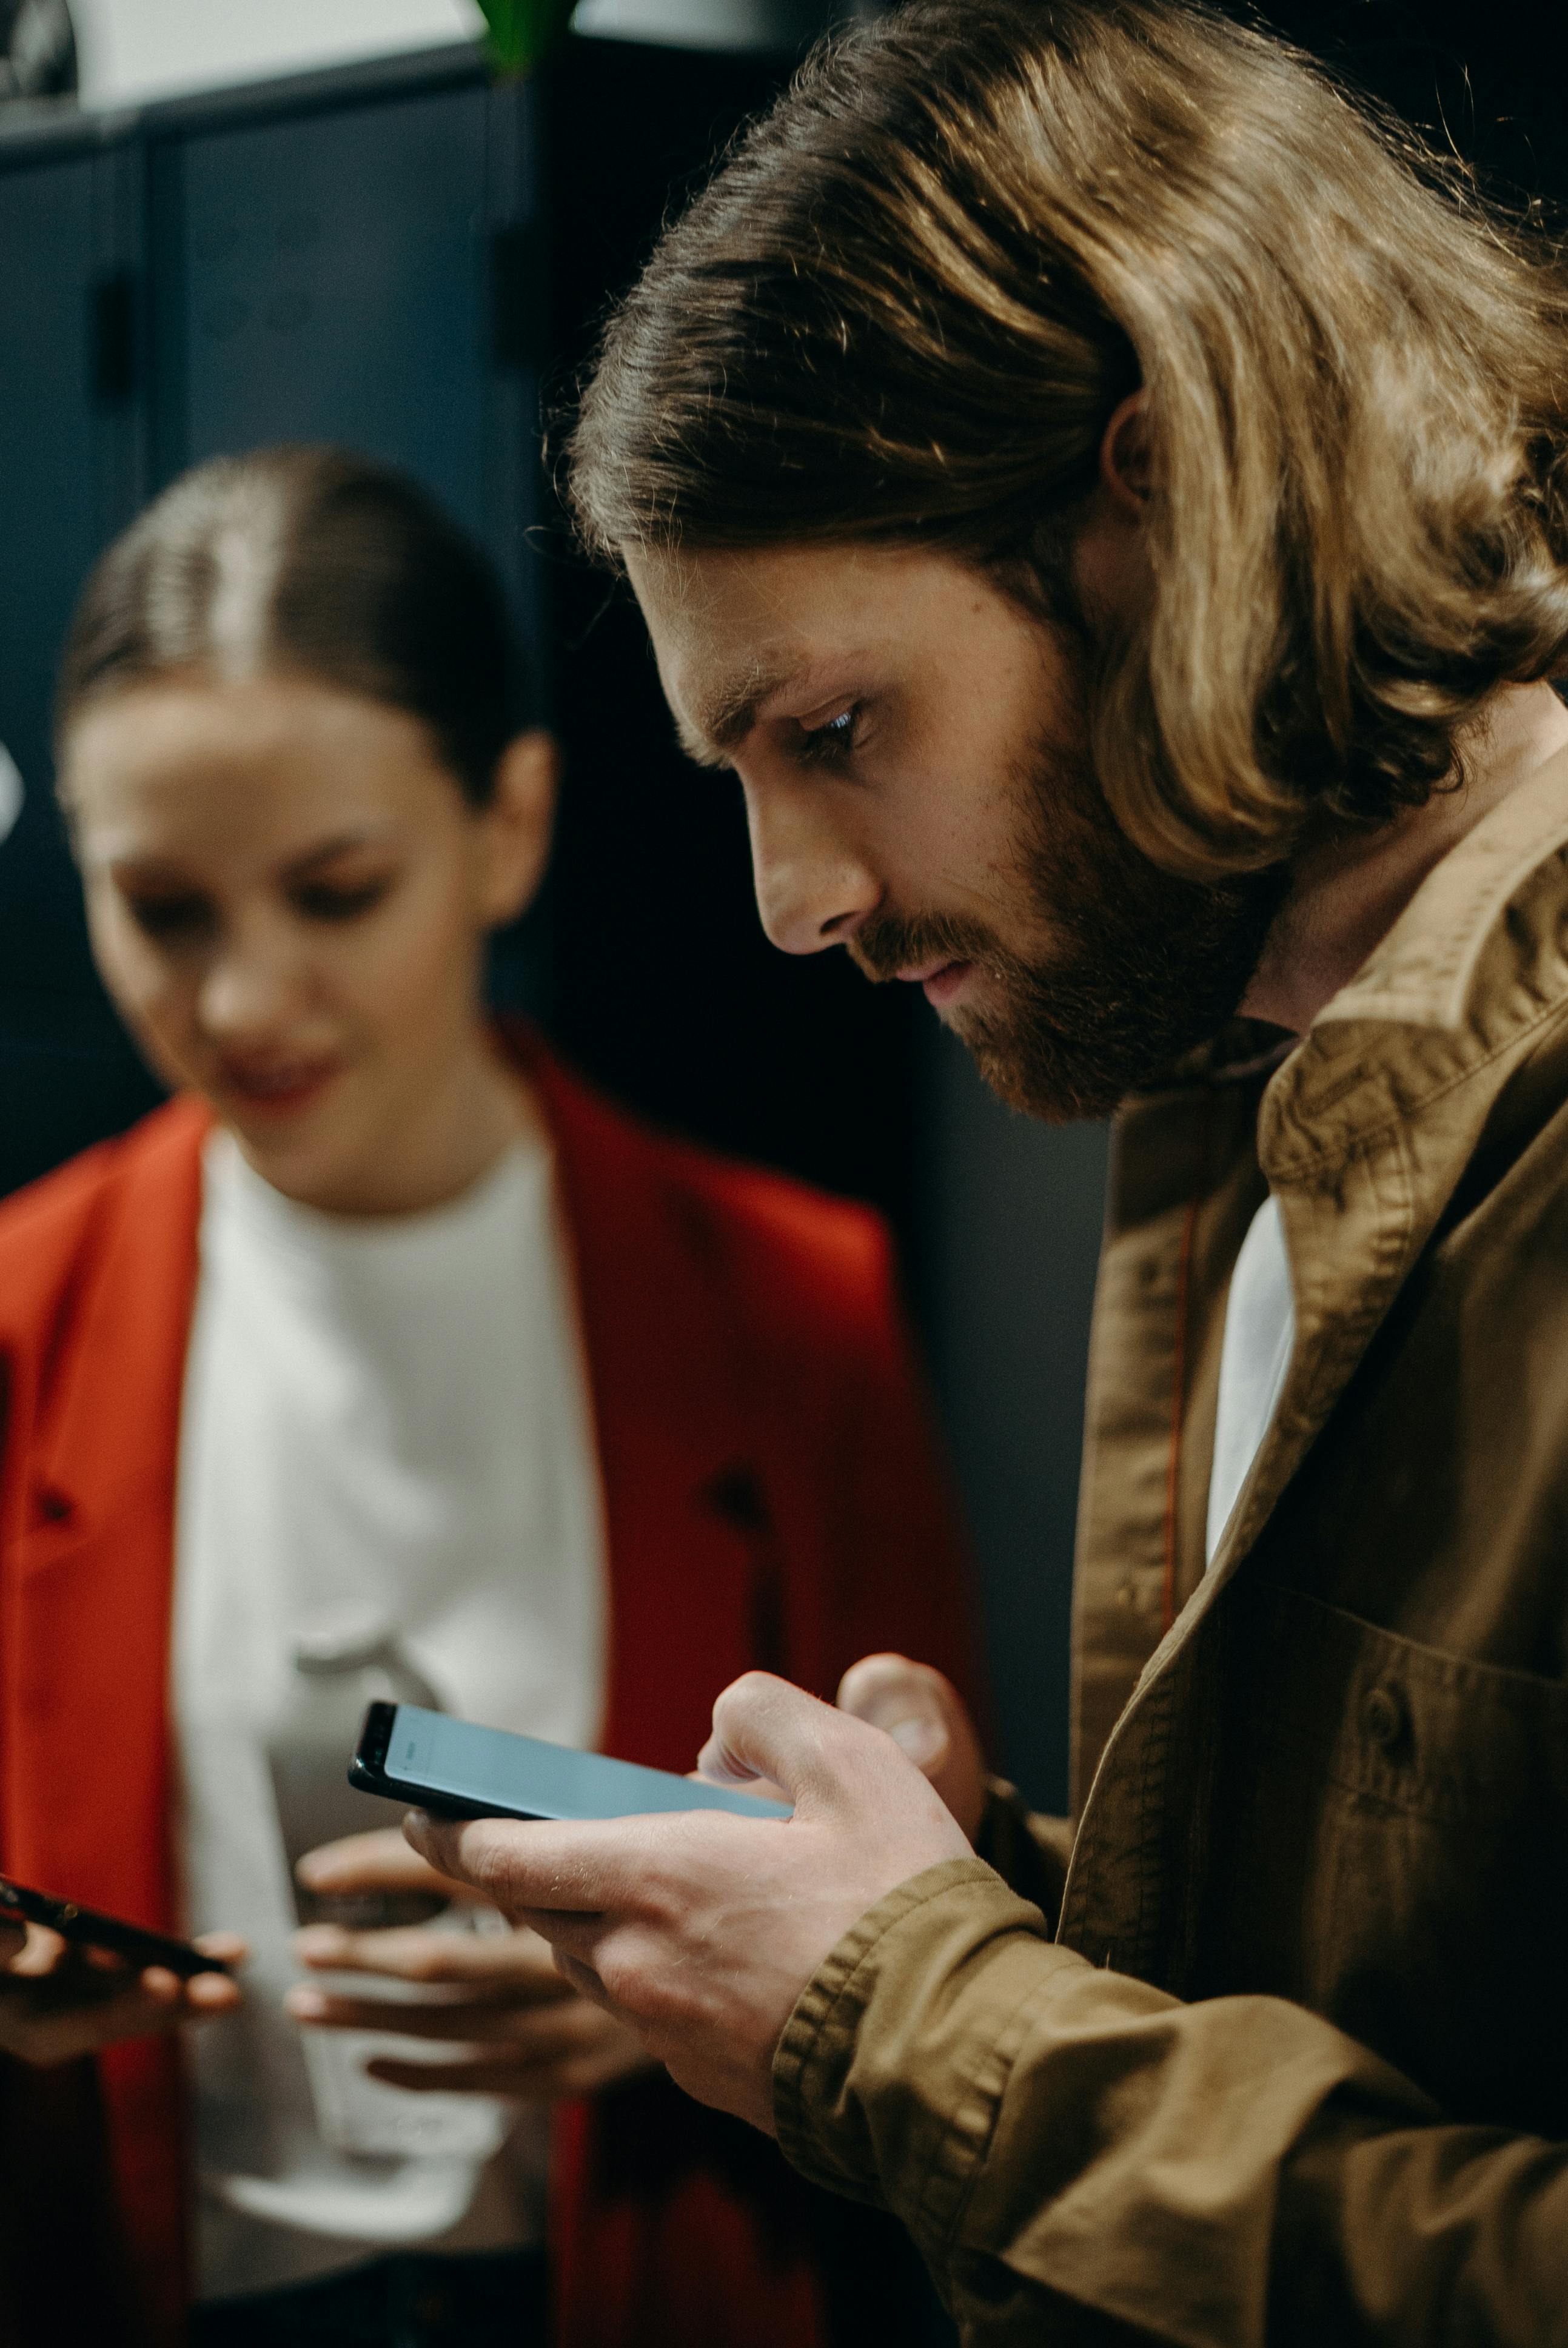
(701, 752)
(728, 713)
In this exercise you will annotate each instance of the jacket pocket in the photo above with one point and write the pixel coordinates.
(1398, 1853)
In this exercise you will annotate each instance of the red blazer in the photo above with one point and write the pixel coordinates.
(769, 1499)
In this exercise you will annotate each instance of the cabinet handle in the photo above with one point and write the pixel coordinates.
(516, 292)
(112, 329)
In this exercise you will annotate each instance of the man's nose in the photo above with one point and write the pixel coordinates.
(813, 888)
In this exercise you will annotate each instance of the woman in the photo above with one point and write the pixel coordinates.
(386, 1309)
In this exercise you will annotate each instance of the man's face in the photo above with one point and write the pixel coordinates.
(912, 747)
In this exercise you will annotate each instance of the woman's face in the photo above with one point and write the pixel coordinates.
(288, 898)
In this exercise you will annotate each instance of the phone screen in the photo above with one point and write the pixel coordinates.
(524, 1776)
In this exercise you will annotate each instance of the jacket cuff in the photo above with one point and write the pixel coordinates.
(883, 2087)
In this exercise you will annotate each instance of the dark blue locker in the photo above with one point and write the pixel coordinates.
(327, 265)
(346, 257)
(48, 514)
(69, 476)
(331, 288)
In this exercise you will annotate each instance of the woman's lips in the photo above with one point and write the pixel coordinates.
(277, 1087)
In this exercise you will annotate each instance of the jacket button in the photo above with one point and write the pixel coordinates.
(1384, 1717)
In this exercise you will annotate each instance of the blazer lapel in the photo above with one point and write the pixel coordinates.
(682, 1489)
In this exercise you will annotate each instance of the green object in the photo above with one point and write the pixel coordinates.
(523, 31)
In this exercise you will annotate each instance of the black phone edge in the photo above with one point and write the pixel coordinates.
(88, 1926)
(368, 1774)
(420, 1798)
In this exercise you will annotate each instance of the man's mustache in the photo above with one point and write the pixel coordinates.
(889, 942)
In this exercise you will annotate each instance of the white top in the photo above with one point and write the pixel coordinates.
(391, 1413)
(1259, 1333)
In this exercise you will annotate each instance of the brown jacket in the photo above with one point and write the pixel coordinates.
(1294, 2068)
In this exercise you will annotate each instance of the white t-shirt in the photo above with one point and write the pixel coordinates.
(392, 1412)
(1259, 1334)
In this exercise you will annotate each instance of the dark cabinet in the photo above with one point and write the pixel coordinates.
(325, 277)
(68, 477)
(307, 262)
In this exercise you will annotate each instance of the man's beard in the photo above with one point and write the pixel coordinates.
(1143, 967)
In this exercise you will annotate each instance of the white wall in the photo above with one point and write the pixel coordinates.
(132, 51)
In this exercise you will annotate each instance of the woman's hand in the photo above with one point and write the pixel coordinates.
(59, 2001)
(515, 2026)
(925, 1716)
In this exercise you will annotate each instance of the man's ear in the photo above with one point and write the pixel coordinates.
(519, 823)
(1124, 455)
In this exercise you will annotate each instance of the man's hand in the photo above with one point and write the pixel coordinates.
(57, 2002)
(701, 1929)
(515, 2026)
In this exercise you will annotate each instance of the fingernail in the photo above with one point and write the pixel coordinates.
(921, 1739)
(306, 2004)
(317, 1943)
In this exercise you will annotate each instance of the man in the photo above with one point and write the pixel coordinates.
(1104, 495)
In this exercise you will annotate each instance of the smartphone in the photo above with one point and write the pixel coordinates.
(86, 1928)
(468, 1771)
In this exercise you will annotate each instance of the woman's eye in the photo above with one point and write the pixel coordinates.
(170, 917)
(320, 900)
(822, 745)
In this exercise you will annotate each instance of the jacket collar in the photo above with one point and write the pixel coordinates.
(1471, 967)
(1424, 972)
(635, 1247)
(1365, 1132)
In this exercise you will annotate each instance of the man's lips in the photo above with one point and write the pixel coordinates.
(279, 1086)
(938, 981)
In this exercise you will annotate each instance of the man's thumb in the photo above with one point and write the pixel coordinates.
(902, 1699)
(763, 1728)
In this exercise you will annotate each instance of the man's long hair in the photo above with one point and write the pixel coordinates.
(909, 303)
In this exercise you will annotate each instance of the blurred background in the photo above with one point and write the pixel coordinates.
(231, 221)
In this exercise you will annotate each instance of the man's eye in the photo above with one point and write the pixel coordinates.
(170, 917)
(826, 744)
(320, 900)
